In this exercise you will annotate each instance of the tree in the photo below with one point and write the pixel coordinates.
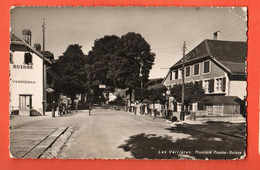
(132, 59)
(101, 57)
(193, 92)
(71, 68)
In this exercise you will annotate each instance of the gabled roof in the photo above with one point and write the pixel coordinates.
(16, 40)
(229, 54)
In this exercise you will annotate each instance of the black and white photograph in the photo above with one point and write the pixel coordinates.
(128, 83)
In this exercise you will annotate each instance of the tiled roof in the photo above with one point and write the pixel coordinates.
(231, 54)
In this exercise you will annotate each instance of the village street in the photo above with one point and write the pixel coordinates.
(117, 134)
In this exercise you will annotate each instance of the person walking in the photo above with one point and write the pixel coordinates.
(53, 108)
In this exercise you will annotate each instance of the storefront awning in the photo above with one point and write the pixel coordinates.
(222, 100)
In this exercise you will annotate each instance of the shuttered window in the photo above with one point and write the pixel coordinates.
(176, 74)
(196, 69)
(11, 58)
(180, 73)
(206, 86)
(187, 71)
(223, 84)
(211, 85)
(27, 58)
(200, 83)
(206, 67)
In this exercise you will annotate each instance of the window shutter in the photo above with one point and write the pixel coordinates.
(200, 83)
(211, 85)
(176, 74)
(223, 88)
(25, 58)
(30, 57)
(171, 75)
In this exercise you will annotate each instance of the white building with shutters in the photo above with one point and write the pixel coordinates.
(220, 68)
(26, 76)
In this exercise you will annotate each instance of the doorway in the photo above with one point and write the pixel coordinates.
(25, 102)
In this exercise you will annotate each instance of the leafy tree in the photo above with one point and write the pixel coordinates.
(100, 59)
(156, 94)
(193, 92)
(71, 68)
(141, 94)
(132, 59)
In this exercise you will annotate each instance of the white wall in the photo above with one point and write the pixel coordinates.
(238, 88)
(25, 80)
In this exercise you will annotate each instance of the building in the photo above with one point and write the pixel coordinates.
(220, 68)
(26, 75)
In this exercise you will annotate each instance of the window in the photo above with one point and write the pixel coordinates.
(211, 85)
(180, 73)
(220, 84)
(206, 86)
(11, 58)
(171, 75)
(27, 58)
(206, 67)
(176, 74)
(196, 70)
(187, 71)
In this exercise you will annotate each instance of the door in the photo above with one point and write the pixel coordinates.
(25, 102)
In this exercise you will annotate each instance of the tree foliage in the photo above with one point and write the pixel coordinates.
(71, 69)
(132, 59)
(156, 95)
(100, 59)
(120, 62)
(192, 93)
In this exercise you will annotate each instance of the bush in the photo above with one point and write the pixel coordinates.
(34, 112)
(15, 112)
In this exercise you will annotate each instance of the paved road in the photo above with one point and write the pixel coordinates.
(119, 135)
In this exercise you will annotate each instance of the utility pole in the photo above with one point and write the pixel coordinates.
(43, 69)
(182, 90)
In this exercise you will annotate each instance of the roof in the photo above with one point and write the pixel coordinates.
(222, 100)
(16, 40)
(231, 55)
(156, 86)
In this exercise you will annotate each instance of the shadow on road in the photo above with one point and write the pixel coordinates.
(210, 140)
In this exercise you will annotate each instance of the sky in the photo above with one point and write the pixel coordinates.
(165, 29)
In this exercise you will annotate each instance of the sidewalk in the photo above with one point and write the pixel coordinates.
(31, 142)
(17, 120)
(27, 141)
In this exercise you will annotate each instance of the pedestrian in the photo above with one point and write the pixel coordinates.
(76, 105)
(53, 108)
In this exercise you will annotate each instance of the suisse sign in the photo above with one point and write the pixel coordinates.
(15, 66)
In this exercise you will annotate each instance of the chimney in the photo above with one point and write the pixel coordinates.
(37, 46)
(27, 35)
(216, 35)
